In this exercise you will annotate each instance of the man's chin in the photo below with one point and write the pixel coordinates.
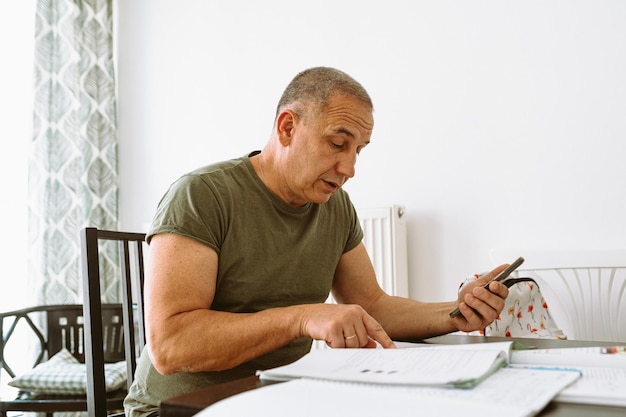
(323, 198)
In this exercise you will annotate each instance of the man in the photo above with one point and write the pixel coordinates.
(243, 254)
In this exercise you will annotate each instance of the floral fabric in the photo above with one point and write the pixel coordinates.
(525, 313)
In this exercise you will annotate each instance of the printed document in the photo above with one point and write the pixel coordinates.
(431, 365)
(509, 392)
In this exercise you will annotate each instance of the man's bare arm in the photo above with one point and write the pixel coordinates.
(184, 334)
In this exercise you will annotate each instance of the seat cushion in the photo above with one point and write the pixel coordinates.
(64, 374)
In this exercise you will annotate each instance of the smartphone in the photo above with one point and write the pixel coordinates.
(500, 277)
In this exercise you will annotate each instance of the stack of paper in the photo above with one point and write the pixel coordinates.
(509, 392)
(490, 379)
(603, 372)
(431, 365)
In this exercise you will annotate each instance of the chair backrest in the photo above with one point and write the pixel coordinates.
(56, 327)
(585, 290)
(66, 330)
(131, 250)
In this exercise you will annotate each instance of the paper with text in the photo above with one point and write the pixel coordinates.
(418, 366)
(603, 378)
(606, 386)
(508, 392)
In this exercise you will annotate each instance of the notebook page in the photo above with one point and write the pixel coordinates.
(509, 392)
(597, 386)
(421, 366)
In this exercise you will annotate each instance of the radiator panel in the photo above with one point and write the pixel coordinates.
(384, 237)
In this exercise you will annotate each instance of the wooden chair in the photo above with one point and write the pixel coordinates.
(132, 274)
(585, 290)
(53, 328)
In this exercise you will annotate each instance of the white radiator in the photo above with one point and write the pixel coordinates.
(384, 237)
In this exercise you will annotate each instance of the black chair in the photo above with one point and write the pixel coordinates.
(132, 274)
(51, 328)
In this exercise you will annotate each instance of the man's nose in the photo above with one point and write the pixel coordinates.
(346, 165)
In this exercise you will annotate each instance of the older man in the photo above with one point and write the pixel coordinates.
(243, 254)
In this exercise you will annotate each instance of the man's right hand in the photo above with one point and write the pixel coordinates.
(343, 326)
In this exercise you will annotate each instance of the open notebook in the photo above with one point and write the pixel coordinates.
(437, 380)
(603, 371)
(430, 365)
(508, 392)
(603, 378)
(434, 380)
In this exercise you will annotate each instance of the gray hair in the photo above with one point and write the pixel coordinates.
(312, 88)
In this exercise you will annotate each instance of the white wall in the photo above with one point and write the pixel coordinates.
(498, 123)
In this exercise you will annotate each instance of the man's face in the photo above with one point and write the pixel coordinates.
(322, 150)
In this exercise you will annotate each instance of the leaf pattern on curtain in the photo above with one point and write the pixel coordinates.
(73, 179)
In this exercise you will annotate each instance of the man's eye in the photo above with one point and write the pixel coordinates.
(337, 145)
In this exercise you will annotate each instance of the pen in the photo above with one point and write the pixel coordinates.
(613, 350)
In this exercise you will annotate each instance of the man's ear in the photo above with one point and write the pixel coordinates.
(285, 125)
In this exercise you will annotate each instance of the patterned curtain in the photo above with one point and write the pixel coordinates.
(73, 158)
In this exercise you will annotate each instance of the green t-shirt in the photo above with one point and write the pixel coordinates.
(270, 255)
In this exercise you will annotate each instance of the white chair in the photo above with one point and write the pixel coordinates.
(585, 290)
